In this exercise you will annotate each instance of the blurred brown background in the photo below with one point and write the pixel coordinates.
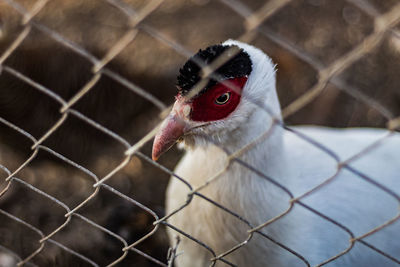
(323, 29)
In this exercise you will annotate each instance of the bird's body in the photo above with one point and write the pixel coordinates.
(348, 199)
(243, 184)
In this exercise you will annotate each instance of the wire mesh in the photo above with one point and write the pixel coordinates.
(126, 154)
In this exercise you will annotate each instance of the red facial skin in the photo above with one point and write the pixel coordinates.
(205, 107)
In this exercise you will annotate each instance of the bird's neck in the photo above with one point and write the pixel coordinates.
(257, 139)
(259, 143)
(257, 153)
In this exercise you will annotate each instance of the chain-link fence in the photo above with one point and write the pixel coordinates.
(84, 86)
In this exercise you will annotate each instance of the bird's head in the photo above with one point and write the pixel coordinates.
(225, 104)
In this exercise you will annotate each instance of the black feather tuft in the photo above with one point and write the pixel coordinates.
(238, 66)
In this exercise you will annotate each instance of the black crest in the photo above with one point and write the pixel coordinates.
(238, 66)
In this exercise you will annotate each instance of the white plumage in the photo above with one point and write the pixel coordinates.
(297, 165)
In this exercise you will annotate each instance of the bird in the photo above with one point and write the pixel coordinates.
(263, 194)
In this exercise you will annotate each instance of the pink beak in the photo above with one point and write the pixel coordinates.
(171, 130)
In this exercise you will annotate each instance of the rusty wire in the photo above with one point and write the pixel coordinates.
(384, 25)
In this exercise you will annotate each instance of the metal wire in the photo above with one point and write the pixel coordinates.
(384, 25)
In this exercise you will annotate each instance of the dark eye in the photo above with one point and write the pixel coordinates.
(222, 99)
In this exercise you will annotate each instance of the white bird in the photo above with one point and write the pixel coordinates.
(219, 121)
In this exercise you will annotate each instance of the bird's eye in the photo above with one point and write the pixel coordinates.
(223, 99)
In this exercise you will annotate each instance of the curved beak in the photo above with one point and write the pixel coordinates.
(172, 128)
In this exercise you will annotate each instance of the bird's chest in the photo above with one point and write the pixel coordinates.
(221, 213)
(215, 182)
(207, 222)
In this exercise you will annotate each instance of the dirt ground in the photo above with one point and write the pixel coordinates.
(324, 29)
